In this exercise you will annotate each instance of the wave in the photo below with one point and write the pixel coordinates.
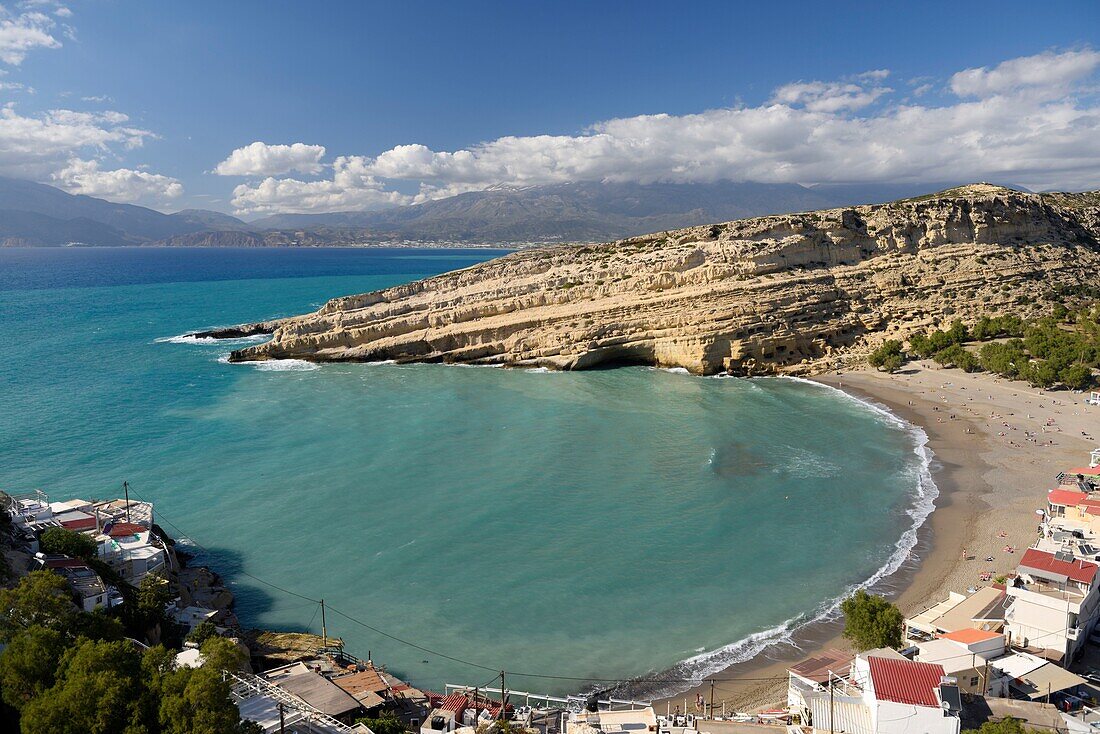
(925, 492)
(275, 365)
(192, 339)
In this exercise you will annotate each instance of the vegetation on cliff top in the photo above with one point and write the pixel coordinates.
(1060, 349)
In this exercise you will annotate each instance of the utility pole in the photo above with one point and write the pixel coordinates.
(126, 489)
(831, 729)
(503, 696)
(282, 718)
(711, 699)
(324, 629)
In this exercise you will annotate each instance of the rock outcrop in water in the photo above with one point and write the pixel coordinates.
(797, 293)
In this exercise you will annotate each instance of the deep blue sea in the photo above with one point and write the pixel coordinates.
(590, 525)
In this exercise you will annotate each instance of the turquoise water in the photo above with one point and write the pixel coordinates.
(590, 525)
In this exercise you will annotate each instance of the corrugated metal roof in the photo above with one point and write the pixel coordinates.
(819, 667)
(1080, 571)
(904, 681)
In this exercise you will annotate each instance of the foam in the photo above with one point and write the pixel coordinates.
(925, 492)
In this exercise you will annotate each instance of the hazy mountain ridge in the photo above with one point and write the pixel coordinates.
(794, 293)
(33, 214)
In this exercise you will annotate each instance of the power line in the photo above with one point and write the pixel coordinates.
(495, 669)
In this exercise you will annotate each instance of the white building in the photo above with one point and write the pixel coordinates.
(965, 655)
(131, 550)
(887, 695)
(984, 610)
(1054, 603)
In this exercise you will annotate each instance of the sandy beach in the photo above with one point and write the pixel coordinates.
(998, 446)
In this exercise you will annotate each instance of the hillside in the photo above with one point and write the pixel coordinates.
(37, 215)
(793, 293)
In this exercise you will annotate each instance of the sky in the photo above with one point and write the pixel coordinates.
(256, 108)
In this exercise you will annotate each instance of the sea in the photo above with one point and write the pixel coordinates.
(573, 529)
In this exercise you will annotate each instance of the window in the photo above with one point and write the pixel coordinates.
(973, 681)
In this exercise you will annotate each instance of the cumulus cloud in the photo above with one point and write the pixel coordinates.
(1034, 121)
(121, 184)
(352, 188)
(21, 33)
(34, 146)
(1050, 74)
(261, 159)
(833, 96)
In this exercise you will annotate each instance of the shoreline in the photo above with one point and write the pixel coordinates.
(987, 484)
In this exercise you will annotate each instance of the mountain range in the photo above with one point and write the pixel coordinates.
(38, 215)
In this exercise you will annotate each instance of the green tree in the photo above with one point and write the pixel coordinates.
(146, 616)
(1076, 377)
(887, 354)
(956, 356)
(28, 664)
(871, 621)
(920, 345)
(219, 653)
(41, 598)
(98, 691)
(386, 723)
(1008, 725)
(202, 632)
(68, 543)
(197, 701)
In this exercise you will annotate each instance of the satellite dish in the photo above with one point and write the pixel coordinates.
(1040, 512)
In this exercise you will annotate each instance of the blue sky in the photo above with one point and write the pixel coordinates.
(522, 92)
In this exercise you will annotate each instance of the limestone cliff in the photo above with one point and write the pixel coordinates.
(796, 293)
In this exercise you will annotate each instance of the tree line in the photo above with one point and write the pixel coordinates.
(66, 671)
(1060, 349)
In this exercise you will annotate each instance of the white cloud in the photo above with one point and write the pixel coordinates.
(35, 146)
(352, 188)
(1033, 121)
(261, 159)
(121, 184)
(97, 99)
(1048, 73)
(23, 32)
(830, 96)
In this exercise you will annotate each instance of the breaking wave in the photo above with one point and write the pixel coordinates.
(925, 492)
(192, 339)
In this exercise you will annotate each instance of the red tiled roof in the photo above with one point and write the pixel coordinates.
(1088, 471)
(456, 702)
(904, 681)
(122, 529)
(1065, 497)
(1080, 571)
(81, 523)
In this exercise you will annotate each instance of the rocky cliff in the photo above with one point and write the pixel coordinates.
(797, 293)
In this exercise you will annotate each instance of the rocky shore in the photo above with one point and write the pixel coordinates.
(796, 294)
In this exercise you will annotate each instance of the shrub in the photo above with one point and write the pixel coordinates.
(889, 352)
(68, 543)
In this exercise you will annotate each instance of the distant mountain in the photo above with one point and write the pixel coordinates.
(34, 214)
(567, 212)
(210, 220)
(39, 215)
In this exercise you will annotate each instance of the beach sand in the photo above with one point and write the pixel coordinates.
(991, 479)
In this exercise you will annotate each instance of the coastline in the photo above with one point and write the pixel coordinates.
(990, 479)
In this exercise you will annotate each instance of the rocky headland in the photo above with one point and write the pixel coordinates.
(795, 293)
